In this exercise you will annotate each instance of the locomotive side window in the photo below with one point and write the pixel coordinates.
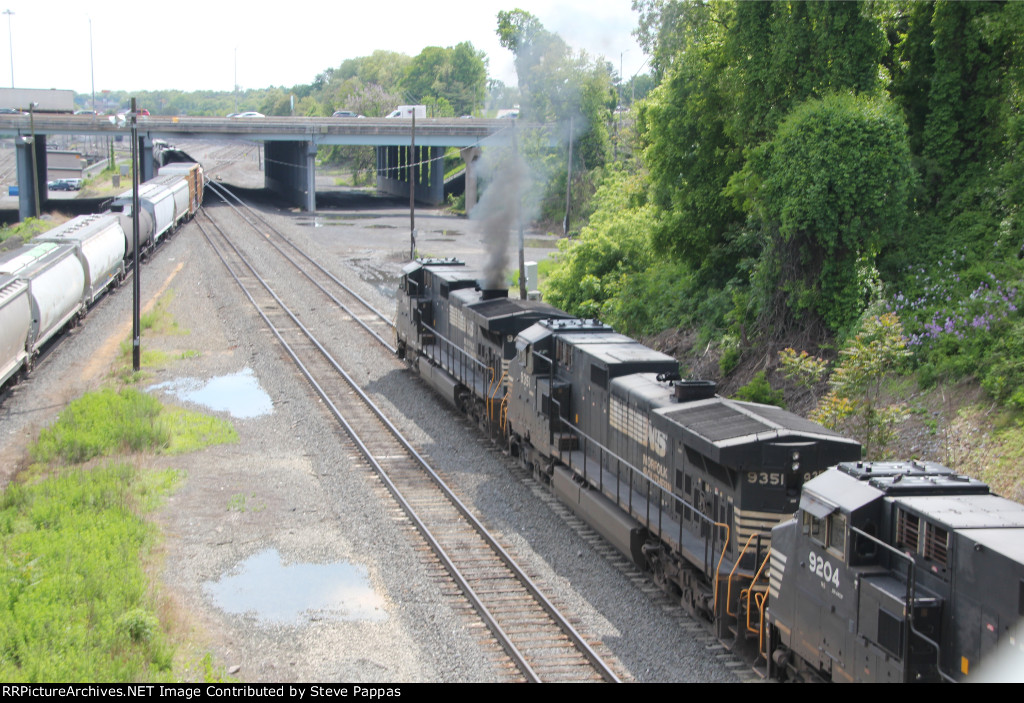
(828, 532)
(815, 528)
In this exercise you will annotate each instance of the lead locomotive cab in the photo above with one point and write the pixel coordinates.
(886, 572)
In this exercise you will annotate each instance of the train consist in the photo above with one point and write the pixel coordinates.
(693, 487)
(51, 282)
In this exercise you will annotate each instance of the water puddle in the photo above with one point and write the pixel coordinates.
(239, 394)
(290, 594)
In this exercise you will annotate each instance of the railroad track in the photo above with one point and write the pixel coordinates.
(540, 641)
(358, 309)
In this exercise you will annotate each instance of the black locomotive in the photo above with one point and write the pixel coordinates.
(897, 572)
(888, 572)
(685, 483)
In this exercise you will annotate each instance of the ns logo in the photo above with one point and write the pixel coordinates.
(657, 440)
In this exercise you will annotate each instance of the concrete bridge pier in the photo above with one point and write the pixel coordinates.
(31, 188)
(470, 155)
(428, 172)
(290, 166)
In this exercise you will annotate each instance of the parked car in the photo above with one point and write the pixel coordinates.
(247, 114)
(59, 184)
(345, 113)
(11, 111)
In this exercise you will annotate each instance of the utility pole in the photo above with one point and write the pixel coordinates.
(10, 43)
(136, 288)
(519, 213)
(92, 70)
(568, 185)
(412, 190)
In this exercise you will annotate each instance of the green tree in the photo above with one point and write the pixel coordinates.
(856, 400)
(615, 243)
(832, 188)
(781, 54)
(456, 74)
(691, 157)
(384, 68)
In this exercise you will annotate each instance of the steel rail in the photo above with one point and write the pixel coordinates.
(218, 187)
(585, 649)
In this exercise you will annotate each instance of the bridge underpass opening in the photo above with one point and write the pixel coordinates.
(427, 172)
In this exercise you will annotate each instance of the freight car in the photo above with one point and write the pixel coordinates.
(685, 483)
(897, 572)
(50, 283)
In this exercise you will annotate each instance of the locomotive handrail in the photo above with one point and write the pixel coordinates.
(732, 573)
(493, 389)
(503, 417)
(449, 342)
(463, 355)
(490, 387)
(718, 569)
(759, 600)
(710, 540)
(908, 610)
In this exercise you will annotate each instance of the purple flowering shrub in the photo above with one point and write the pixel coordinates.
(957, 319)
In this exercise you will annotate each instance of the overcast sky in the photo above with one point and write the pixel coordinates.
(157, 44)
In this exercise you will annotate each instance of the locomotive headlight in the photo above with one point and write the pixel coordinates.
(796, 456)
(796, 466)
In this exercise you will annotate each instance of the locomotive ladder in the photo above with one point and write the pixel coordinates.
(541, 641)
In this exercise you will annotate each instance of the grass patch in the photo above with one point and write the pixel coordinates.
(25, 231)
(109, 422)
(75, 603)
(241, 503)
(103, 423)
(190, 431)
(159, 319)
(150, 358)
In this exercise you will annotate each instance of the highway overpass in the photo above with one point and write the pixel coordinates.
(290, 145)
